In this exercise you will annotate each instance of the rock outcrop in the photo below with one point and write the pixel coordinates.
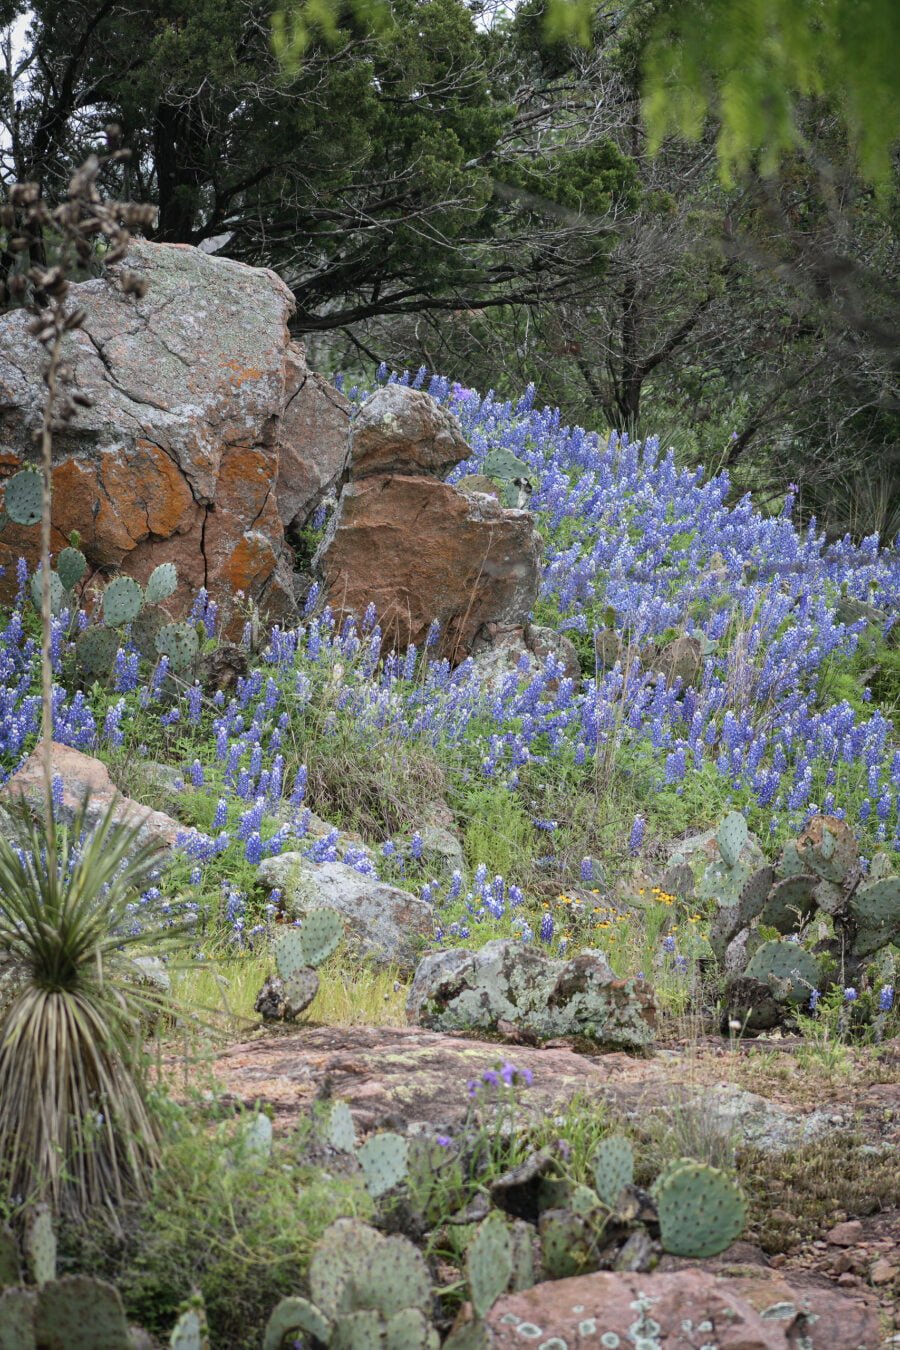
(507, 984)
(417, 548)
(384, 924)
(206, 436)
(683, 1311)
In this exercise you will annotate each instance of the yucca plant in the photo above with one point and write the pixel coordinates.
(75, 1126)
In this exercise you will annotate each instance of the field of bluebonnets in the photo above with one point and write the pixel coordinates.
(555, 785)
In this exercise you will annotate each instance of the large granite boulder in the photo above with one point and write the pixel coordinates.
(509, 985)
(420, 550)
(384, 924)
(401, 430)
(202, 413)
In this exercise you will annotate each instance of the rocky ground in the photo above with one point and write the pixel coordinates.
(821, 1236)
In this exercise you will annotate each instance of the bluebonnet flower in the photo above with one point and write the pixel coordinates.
(668, 944)
(814, 997)
(546, 933)
(636, 837)
(850, 995)
(417, 846)
(886, 998)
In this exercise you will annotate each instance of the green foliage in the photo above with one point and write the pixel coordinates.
(74, 1119)
(750, 64)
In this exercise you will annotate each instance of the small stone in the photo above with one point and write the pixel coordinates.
(848, 1281)
(845, 1234)
(883, 1272)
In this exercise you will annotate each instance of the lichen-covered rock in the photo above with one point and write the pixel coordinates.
(401, 430)
(419, 551)
(681, 1311)
(178, 458)
(505, 981)
(314, 441)
(385, 925)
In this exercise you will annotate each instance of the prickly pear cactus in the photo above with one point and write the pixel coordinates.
(162, 583)
(179, 642)
(358, 1330)
(289, 953)
(146, 628)
(340, 1132)
(95, 650)
(71, 566)
(731, 837)
(190, 1331)
(17, 1319)
(521, 1240)
(613, 1168)
(701, 1211)
(10, 1268)
(489, 1264)
(396, 1277)
(80, 1313)
(290, 1319)
(383, 1160)
(512, 473)
(567, 1244)
(344, 1249)
(23, 498)
(790, 903)
(300, 988)
(122, 601)
(790, 864)
(876, 911)
(729, 920)
(39, 1244)
(58, 596)
(320, 934)
(410, 1329)
(256, 1140)
(788, 969)
(828, 848)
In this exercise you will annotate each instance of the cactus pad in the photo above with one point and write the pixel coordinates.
(521, 1241)
(57, 592)
(146, 628)
(394, 1277)
(80, 1313)
(360, 1330)
(340, 1132)
(320, 934)
(24, 495)
(256, 1140)
(71, 566)
(567, 1244)
(828, 848)
(162, 583)
(289, 954)
(39, 1244)
(179, 642)
(788, 969)
(613, 1168)
(512, 473)
(876, 909)
(790, 903)
(410, 1329)
(790, 864)
(122, 601)
(339, 1254)
(731, 837)
(189, 1332)
(383, 1160)
(17, 1319)
(290, 1318)
(95, 650)
(701, 1211)
(300, 988)
(10, 1269)
(489, 1265)
(729, 920)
